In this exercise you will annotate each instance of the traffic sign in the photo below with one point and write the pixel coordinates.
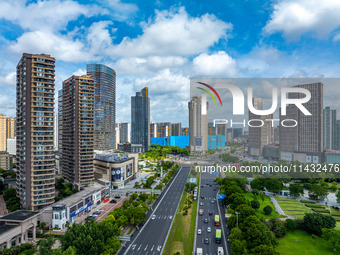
(220, 196)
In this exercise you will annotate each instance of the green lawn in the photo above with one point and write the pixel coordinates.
(300, 242)
(263, 204)
(292, 207)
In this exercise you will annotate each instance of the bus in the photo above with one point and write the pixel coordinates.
(218, 236)
(217, 220)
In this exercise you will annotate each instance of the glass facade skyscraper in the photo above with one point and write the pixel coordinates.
(140, 119)
(104, 106)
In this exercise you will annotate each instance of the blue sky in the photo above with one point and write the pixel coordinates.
(161, 44)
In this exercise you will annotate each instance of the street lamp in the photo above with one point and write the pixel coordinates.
(237, 213)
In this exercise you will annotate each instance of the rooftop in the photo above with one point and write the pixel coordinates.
(68, 201)
(5, 227)
(111, 157)
(20, 215)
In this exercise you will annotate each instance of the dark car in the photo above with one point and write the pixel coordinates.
(205, 220)
(118, 197)
(113, 201)
(211, 212)
(202, 197)
(91, 217)
(206, 240)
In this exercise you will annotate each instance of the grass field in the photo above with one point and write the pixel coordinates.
(263, 204)
(181, 239)
(300, 242)
(292, 207)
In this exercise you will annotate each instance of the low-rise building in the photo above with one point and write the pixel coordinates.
(14, 228)
(117, 168)
(69, 209)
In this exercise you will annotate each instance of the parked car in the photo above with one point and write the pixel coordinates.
(199, 231)
(113, 201)
(117, 197)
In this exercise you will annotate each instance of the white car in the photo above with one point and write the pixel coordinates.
(199, 231)
(208, 229)
(153, 217)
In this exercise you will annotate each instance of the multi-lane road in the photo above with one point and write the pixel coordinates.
(150, 240)
(207, 194)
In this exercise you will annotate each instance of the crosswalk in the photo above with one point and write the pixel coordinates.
(145, 249)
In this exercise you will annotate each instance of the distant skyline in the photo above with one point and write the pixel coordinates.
(162, 44)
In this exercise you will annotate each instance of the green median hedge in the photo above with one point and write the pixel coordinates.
(320, 210)
(315, 206)
(307, 201)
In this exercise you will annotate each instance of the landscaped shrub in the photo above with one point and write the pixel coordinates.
(314, 205)
(267, 210)
(290, 224)
(307, 201)
(320, 210)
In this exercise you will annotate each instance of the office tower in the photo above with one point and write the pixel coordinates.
(104, 106)
(77, 134)
(262, 135)
(56, 131)
(140, 119)
(176, 129)
(329, 129)
(198, 124)
(124, 132)
(3, 133)
(307, 135)
(34, 131)
(10, 127)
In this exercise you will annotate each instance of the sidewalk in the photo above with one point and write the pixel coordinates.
(278, 207)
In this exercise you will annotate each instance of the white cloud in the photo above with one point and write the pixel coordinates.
(174, 33)
(216, 64)
(120, 11)
(148, 65)
(59, 46)
(297, 17)
(44, 15)
(79, 72)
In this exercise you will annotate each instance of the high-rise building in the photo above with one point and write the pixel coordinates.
(185, 131)
(337, 139)
(104, 106)
(77, 133)
(124, 132)
(307, 135)
(198, 124)
(161, 129)
(329, 129)
(176, 129)
(117, 135)
(10, 127)
(12, 146)
(262, 135)
(3, 133)
(140, 119)
(34, 131)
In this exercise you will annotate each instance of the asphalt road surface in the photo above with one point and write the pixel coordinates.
(208, 190)
(151, 238)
